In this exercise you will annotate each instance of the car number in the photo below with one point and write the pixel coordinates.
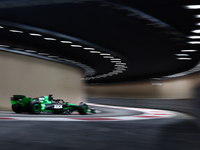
(58, 106)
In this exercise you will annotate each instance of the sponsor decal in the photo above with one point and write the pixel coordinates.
(58, 106)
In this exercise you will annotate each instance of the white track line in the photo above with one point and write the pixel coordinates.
(147, 114)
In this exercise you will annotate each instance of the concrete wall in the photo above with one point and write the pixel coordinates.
(178, 88)
(179, 94)
(35, 77)
(181, 105)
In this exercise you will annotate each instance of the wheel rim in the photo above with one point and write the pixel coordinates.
(85, 108)
(36, 107)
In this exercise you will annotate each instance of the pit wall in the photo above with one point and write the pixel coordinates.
(34, 77)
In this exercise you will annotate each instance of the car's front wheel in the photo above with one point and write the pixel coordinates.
(82, 108)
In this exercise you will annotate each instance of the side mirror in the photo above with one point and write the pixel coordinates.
(50, 97)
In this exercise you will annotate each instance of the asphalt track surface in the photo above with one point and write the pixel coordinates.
(172, 133)
(101, 112)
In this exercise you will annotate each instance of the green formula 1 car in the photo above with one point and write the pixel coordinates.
(21, 103)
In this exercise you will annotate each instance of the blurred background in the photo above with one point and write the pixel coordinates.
(131, 53)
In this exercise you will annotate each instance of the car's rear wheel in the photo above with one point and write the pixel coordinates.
(35, 107)
(82, 108)
(17, 108)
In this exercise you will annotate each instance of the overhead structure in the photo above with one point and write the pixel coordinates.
(112, 41)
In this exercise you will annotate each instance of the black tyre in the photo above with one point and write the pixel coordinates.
(17, 108)
(82, 108)
(35, 107)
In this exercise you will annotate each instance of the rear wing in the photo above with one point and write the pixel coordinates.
(17, 97)
(23, 100)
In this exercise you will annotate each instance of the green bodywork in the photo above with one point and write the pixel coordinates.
(23, 100)
(41, 103)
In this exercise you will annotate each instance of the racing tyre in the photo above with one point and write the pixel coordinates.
(82, 108)
(35, 107)
(17, 108)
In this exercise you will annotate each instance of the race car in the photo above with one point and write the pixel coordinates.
(21, 103)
